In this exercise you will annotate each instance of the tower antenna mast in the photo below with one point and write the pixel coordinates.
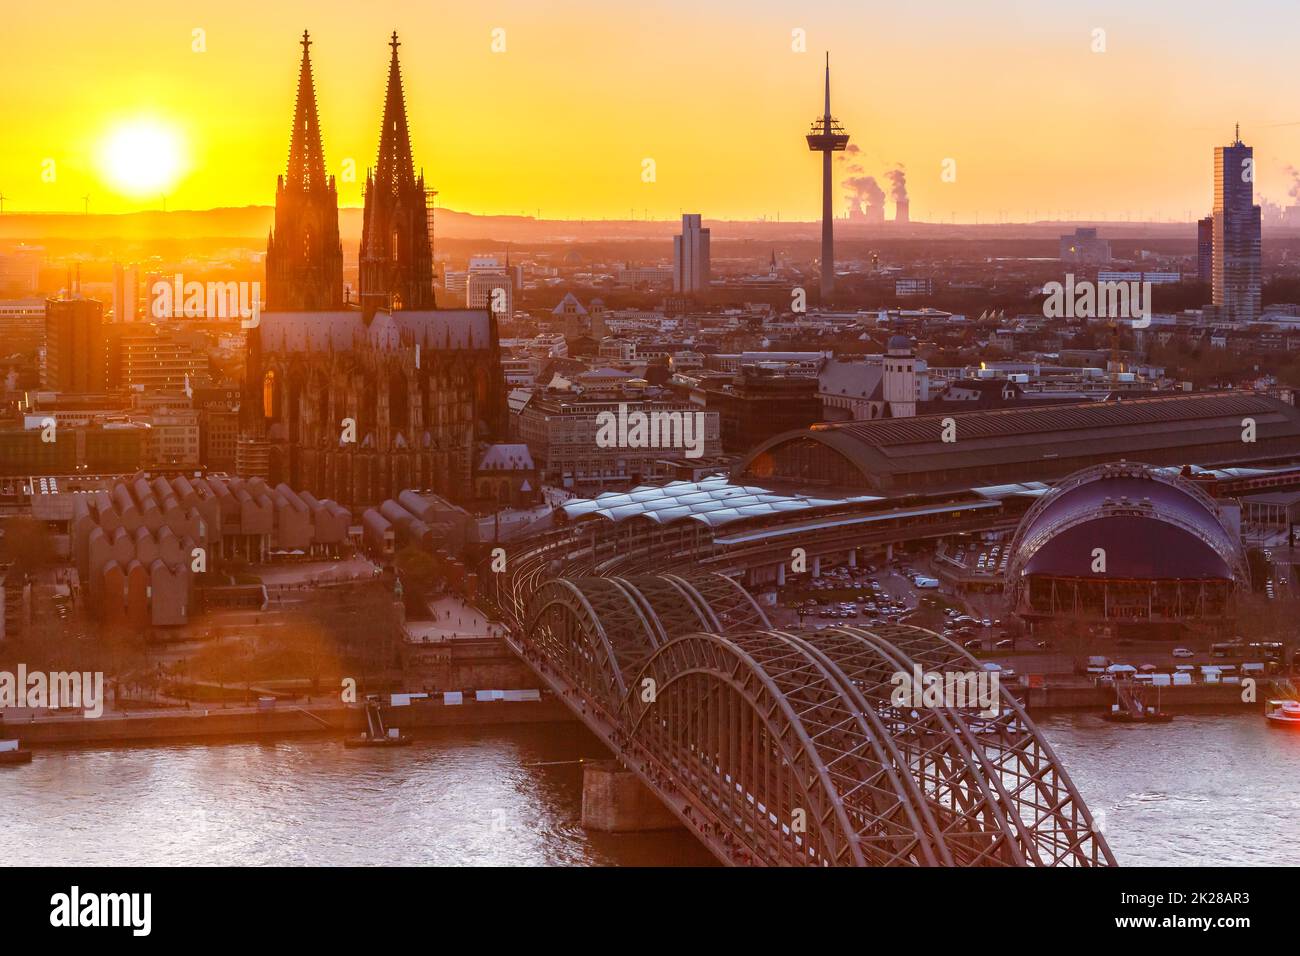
(827, 136)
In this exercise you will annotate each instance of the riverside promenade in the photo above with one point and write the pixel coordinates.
(318, 717)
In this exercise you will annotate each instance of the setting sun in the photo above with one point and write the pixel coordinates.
(142, 157)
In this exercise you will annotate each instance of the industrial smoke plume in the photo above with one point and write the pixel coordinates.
(897, 184)
(864, 194)
(866, 198)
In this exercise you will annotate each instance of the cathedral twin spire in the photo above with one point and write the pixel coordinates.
(395, 168)
(304, 259)
(396, 252)
(306, 156)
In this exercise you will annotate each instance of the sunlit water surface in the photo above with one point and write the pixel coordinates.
(1205, 789)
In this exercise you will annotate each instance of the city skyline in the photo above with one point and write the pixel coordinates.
(508, 132)
(597, 434)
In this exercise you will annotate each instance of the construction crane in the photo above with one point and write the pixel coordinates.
(430, 195)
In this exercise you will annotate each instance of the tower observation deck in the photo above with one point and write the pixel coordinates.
(827, 136)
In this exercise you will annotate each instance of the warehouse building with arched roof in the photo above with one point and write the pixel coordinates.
(938, 453)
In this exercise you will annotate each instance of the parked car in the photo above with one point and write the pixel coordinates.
(1183, 652)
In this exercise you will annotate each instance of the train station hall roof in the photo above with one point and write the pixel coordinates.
(713, 501)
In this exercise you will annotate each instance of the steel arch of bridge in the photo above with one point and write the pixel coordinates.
(785, 748)
(598, 631)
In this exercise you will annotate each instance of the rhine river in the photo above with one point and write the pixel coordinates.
(1203, 790)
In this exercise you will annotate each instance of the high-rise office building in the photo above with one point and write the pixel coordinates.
(22, 324)
(126, 292)
(488, 286)
(1237, 233)
(1205, 249)
(691, 256)
(152, 359)
(76, 359)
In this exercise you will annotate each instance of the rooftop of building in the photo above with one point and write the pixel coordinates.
(1028, 443)
(1285, 499)
(852, 379)
(713, 501)
(506, 457)
(345, 329)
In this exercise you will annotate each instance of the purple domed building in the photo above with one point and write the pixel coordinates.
(1127, 546)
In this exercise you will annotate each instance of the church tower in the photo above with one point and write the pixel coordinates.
(304, 259)
(899, 385)
(396, 255)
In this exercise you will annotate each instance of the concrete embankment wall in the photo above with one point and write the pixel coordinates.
(1171, 698)
(465, 663)
(215, 722)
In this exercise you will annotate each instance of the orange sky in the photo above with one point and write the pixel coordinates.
(711, 90)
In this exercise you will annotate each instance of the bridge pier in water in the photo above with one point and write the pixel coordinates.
(616, 801)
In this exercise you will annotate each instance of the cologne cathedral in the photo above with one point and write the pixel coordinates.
(356, 400)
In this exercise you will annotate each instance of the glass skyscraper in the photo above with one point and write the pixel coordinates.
(1236, 252)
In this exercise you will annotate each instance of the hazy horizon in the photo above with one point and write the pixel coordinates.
(251, 223)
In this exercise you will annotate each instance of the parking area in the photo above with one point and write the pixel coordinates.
(869, 594)
(909, 589)
(982, 558)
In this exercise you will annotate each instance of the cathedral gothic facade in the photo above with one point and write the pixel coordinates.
(356, 401)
